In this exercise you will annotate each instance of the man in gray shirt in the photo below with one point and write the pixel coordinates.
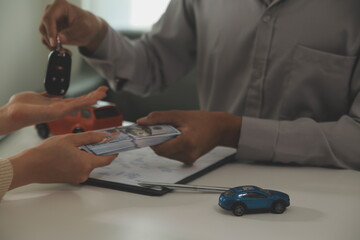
(278, 80)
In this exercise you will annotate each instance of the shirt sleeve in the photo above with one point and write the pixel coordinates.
(153, 62)
(6, 175)
(305, 141)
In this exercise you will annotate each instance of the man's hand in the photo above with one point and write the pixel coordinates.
(58, 160)
(200, 132)
(73, 25)
(29, 108)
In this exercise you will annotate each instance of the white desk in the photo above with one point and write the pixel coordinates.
(325, 204)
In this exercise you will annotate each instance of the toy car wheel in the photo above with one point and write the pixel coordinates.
(278, 207)
(238, 209)
(42, 130)
(78, 130)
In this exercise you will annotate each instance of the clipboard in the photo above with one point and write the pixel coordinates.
(144, 165)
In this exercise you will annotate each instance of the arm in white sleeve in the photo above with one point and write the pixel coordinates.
(305, 141)
(155, 61)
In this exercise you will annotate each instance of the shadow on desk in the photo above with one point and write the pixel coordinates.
(292, 213)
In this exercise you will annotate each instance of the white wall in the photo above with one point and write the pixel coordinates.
(136, 15)
(23, 58)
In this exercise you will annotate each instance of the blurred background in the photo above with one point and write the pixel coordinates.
(24, 59)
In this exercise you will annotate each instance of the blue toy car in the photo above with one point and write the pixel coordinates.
(245, 199)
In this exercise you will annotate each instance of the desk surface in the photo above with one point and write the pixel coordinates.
(325, 204)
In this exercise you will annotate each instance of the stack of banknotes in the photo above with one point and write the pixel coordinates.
(120, 139)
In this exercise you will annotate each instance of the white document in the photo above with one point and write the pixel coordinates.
(143, 164)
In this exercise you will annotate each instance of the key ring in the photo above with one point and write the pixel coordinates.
(59, 47)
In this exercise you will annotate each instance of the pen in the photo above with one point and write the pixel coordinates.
(184, 187)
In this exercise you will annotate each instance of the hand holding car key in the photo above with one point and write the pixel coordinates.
(57, 79)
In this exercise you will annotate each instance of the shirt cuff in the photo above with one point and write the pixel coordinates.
(6, 176)
(258, 139)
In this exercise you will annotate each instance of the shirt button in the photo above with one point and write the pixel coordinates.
(267, 18)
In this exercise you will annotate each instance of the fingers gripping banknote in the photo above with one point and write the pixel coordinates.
(120, 139)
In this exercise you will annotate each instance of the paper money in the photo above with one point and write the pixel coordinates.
(120, 139)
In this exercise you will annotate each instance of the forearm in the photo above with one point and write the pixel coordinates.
(7, 121)
(6, 176)
(302, 141)
(16, 116)
(23, 170)
(3, 120)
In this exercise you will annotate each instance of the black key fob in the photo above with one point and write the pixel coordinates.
(57, 79)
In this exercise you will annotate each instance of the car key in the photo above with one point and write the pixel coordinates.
(57, 79)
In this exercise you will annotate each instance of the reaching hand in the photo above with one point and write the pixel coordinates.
(58, 160)
(201, 131)
(29, 108)
(73, 25)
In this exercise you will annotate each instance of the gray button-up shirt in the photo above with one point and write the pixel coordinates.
(290, 68)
